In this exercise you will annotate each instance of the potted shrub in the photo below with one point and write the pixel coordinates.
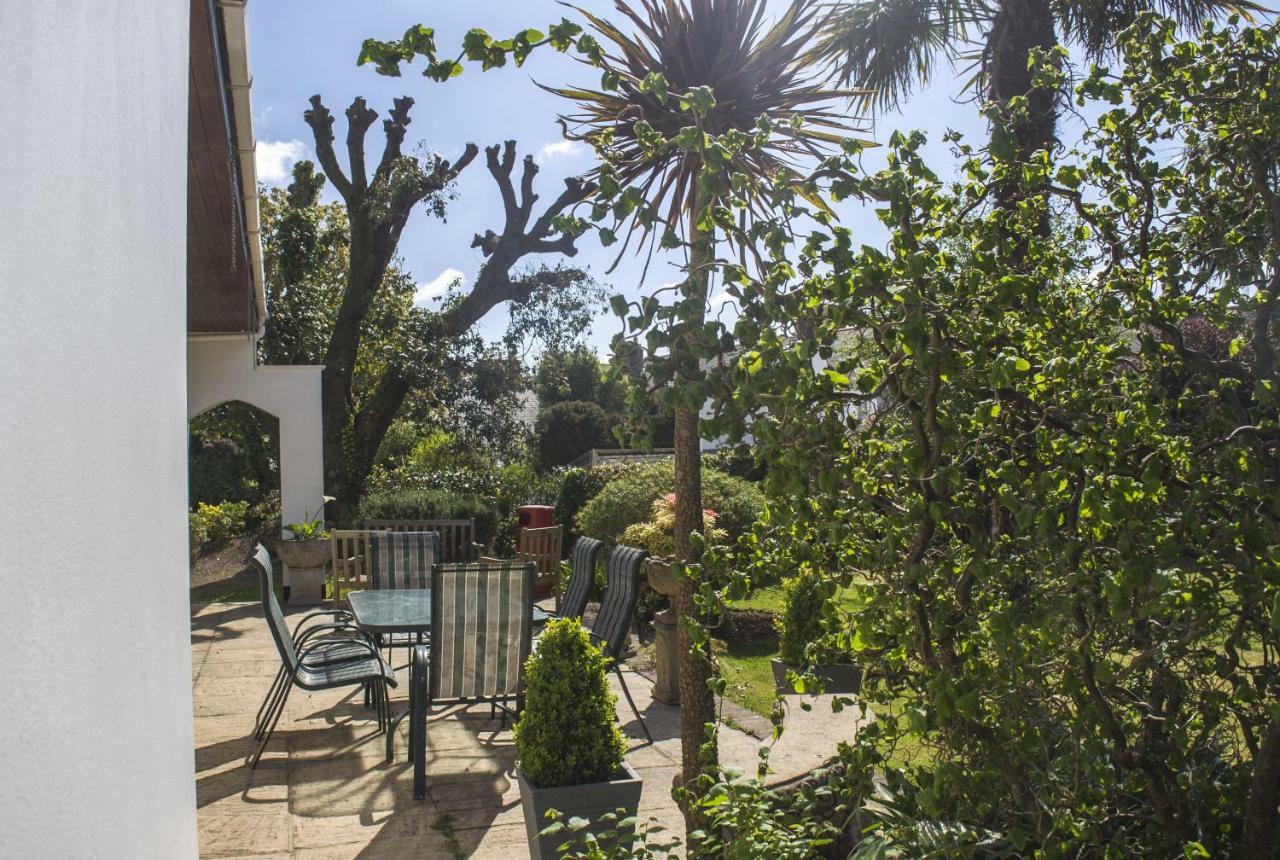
(306, 555)
(569, 750)
(804, 598)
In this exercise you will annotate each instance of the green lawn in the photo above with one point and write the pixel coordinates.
(745, 665)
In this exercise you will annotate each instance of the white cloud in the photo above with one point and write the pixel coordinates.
(721, 298)
(437, 286)
(560, 149)
(275, 159)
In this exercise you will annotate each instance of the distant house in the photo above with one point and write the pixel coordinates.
(131, 274)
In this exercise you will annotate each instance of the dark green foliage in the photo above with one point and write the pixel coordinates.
(629, 499)
(577, 487)
(804, 597)
(232, 455)
(568, 732)
(565, 431)
(1057, 482)
(738, 461)
(431, 505)
(576, 375)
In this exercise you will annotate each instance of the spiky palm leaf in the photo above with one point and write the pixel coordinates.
(890, 46)
(754, 68)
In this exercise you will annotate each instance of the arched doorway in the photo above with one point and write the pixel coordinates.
(233, 459)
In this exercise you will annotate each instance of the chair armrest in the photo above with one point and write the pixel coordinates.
(332, 628)
(338, 614)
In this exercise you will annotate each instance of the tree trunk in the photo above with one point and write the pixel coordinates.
(697, 703)
(1260, 815)
(1021, 26)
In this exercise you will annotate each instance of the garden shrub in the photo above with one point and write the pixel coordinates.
(804, 599)
(629, 499)
(431, 505)
(568, 732)
(211, 525)
(577, 487)
(738, 461)
(657, 534)
(565, 431)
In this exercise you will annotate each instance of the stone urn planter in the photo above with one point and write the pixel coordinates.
(662, 578)
(589, 801)
(839, 678)
(307, 564)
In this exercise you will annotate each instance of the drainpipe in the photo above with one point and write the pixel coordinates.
(240, 79)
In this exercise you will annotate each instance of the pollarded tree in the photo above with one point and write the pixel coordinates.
(378, 206)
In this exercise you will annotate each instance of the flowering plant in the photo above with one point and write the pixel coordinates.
(657, 534)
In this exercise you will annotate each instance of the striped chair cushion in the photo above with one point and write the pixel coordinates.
(481, 627)
(613, 623)
(402, 559)
(582, 562)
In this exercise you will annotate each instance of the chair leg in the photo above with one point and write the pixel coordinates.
(284, 700)
(418, 730)
(262, 709)
(623, 681)
(280, 692)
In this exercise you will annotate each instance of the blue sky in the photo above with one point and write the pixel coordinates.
(303, 47)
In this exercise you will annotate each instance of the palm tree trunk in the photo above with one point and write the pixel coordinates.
(1019, 27)
(697, 703)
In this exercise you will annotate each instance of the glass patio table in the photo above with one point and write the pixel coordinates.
(402, 610)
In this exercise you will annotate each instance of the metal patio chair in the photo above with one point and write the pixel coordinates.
(481, 634)
(303, 670)
(582, 575)
(398, 559)
(335, 639)
(611, 629)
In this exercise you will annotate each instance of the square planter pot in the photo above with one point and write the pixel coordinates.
(840, 678)
(588, 801)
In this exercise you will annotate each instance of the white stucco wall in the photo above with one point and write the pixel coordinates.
(95, 711)
(221, 369)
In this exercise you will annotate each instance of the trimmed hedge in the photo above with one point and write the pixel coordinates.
(431, 505)
(568, 733)
(629, 498)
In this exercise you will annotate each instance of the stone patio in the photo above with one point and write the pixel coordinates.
(324, 789)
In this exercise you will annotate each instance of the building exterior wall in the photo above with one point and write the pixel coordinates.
(96, 716)
(221, 369)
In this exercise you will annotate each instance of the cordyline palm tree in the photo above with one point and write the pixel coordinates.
(754, 68)
(889, 46)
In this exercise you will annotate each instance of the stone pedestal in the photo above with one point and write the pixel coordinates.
(666, 688)
(666, 647)
(306, 585)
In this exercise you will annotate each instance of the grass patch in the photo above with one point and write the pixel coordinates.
(747, 674)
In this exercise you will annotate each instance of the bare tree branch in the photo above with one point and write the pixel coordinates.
(321, 122)
(359, 117)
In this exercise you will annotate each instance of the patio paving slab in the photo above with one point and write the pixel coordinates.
(325, 791)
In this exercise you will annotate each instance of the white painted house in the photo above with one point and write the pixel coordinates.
(130, 298)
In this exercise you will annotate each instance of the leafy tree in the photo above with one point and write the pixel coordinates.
(575, 375)
(1060, 519)
(566, 430)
